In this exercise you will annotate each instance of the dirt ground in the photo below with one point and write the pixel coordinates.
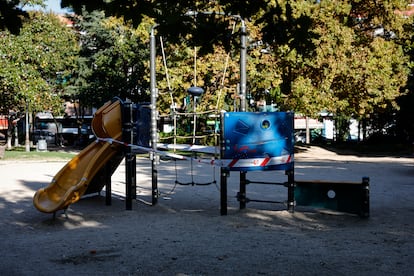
(185, 235)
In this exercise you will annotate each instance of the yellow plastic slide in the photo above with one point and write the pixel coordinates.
(71, 182)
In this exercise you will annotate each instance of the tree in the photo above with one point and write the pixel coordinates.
(33, 61)
(332, 60)
(404, 119)
(342, 56)
(113, 59)
(359, 64)
(188, 65)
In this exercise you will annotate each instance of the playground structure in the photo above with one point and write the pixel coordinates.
(249, 141)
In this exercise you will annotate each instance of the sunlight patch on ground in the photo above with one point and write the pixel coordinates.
(319, 167)
(256, 215)
(16, 196)
(77, 221)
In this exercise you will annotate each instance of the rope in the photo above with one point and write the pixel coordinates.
(175, 136)
(188, 137)
(213, 162)
(195, 66)
(164, 60)
(175, 156)
(192, 183)
(196, 113)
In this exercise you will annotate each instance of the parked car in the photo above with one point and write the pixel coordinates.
(300, 137)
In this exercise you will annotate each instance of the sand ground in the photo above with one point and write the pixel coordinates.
(184, 233)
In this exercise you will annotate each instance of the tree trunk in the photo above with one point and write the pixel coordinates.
(27, 137)
(307, 130)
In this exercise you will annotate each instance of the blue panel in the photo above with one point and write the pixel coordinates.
(142, 124)
(250, 135)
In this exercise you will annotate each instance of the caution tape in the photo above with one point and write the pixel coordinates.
(233, 164)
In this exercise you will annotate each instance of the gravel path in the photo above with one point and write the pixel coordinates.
(185, 235)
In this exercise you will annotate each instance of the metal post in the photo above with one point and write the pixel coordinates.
(129, 156)
(365, 200)
(133, 156)
(223, 171)
(291, 190)
(243, 81)
(223, 191)
(129, 179)
(243, 54)
(194, 119)
(108, 185)
(242, 190)
(154, 96)
(134, 177)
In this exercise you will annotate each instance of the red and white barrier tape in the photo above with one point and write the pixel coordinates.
(229, 163)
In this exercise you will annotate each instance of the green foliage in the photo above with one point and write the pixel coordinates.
(361, 72)
(321, 55)
(405, 116)
(351, 58)
(32, 62)
(113, 60)
(217, 71)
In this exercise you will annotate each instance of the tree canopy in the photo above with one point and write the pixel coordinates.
(36, 63)
(351, 58)
(113, 59)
